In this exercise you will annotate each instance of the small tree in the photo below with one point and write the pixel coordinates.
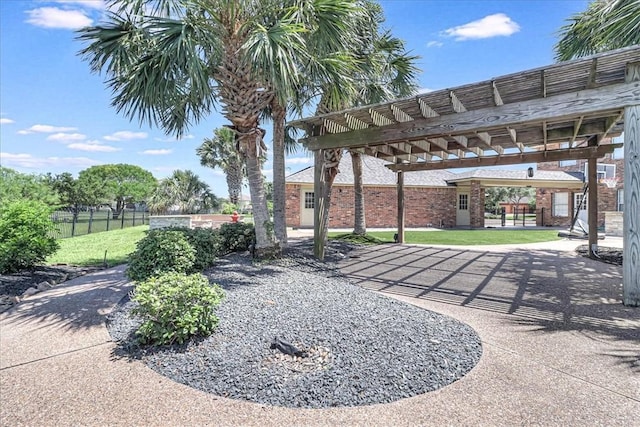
(220, 151)
(20, 186)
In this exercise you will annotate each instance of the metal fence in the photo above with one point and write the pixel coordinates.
(523, 217)
(73, 223)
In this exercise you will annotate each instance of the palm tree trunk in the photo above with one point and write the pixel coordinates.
(359, 225)
(279, 196)
(234, 182)
(266, 244)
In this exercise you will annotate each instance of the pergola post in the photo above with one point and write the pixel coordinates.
(318, 205)
(592, 205)
(400, 207)
(631, 214)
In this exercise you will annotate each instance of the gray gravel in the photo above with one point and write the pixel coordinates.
(363, 348)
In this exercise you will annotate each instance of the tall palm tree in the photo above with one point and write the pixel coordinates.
(183, 190)
(605, 25)
(168, 61)
(220, 151)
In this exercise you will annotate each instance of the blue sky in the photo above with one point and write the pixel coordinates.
(56, 117)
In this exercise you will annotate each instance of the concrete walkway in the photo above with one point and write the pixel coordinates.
(558, 348)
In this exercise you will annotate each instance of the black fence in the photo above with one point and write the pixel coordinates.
(72, 224)
(523, 217)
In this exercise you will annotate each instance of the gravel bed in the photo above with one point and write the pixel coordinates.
(605, 254)
(362, 348)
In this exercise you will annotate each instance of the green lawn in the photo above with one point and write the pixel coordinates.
(463, 237)
(89, 249)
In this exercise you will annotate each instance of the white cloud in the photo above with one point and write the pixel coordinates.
(267, 172)
(125, 135)
(52, 17)
(24, 160)
(425, 90)
(298, 161)
(161, 152)
(93, 146)
(170, 139)
(494, 25)
(46, 129)
(63, 137)
(5, 121)
(434, 43)
(94, 4)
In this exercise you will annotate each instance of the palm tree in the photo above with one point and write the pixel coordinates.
(384, 71)
(169, 61)
(184, 190)
(220, 151)
(605, 25)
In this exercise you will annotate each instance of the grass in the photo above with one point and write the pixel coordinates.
(460, 237)
(88, 250)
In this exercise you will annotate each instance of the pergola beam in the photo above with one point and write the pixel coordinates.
(510, 159)
(565, 106)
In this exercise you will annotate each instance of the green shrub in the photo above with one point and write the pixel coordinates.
(25, 228)
(161, 251)
(237, 237)
(176, 307)
(207, 243)
(229, 208)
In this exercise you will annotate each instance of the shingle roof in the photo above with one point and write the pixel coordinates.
(542, 175)
(375, 173)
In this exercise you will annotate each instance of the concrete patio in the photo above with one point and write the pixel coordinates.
(558, 348)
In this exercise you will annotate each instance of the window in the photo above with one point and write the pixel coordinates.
(618, 153)
(309, 201)
(620, 199)
(463, 202)
(560, 204)
(577, 198)
(603, 171)
(562, 163)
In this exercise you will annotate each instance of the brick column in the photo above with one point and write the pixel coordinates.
(476, 205)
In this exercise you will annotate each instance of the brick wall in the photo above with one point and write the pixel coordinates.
(423, 206)
(607, 197)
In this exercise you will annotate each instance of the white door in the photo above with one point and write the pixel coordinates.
(583, 214)
(463, 217)
(307, 204)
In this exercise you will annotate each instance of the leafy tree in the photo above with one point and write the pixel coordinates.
(161, 57)
(121, 183)
(183, 190)
(605, 25)
(516, 194)
(220, 151)
(513, 195)
(69, 190)
(493, 196)
(20, 186)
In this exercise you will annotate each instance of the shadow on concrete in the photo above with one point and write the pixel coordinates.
(543, 289)
(80, 303)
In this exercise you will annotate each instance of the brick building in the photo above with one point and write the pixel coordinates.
(438, 198)
(560, 204)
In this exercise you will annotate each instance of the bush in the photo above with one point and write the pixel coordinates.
(206, 242)
(25, 228)
(229, 208)
(161, 251)
(176, 307)
(237, 237)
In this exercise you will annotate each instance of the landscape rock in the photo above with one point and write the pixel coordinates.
(43, 286)
(29, 292)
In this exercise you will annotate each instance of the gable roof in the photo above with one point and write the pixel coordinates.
(376, 174)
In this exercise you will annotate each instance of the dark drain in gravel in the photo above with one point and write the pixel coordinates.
(362, 348)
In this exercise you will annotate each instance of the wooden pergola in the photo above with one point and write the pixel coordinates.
(559, 112)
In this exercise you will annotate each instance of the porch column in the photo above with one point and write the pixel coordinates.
(631, 214)
(400, 207)
(592, 205)
(476, 205)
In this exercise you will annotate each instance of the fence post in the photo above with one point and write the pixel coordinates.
(542, 221)
(503, 217)
(514, 213)
(74, 220)
(134, 218)
(524, 216)
(108, 217)
(122, 219)
(90, 220)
